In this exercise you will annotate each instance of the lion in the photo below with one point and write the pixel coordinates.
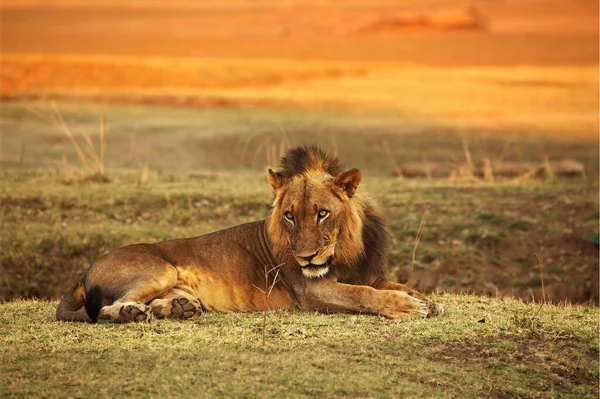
(322, 247)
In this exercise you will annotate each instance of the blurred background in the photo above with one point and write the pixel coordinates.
(128, 121)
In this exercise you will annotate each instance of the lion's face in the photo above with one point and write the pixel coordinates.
(311, 215)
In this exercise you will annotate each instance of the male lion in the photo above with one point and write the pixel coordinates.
(322, 247)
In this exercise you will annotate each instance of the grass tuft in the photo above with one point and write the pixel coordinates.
(91, 161)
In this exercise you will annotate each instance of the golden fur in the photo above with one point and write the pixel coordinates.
(322, 247)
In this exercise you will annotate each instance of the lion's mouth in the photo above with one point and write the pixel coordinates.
(313, 264)
(325, 264)
(313, 270)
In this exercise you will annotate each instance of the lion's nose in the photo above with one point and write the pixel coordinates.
(308, 258)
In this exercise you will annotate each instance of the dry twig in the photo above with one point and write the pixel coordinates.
(541, 265)
(267, 293)
(417, 240)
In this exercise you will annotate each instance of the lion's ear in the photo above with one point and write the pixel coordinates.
(348, 181)
(275, 180)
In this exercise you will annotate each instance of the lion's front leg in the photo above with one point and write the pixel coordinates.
(330, 296)
(435, 309)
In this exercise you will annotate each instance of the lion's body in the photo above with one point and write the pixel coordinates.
(329, 255)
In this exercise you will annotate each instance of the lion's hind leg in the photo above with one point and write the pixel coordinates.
(133, 305)
(123, 293)
(176, 304)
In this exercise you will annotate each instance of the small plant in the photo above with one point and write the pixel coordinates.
(417, 240)
(267, 293)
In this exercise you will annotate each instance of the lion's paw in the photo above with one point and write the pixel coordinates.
(183, 308)
(419, 308)
(399, 304)
(134, 312)
(124, 312)
(176, 308)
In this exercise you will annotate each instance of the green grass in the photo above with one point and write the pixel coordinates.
(483, 347)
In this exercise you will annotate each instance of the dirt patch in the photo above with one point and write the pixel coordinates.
(52, 268)
(492, 249)
(532, 351)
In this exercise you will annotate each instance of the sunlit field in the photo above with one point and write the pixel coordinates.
(474, 123)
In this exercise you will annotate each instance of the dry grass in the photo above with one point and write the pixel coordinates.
(397, 170)
(476, 234)
(144, 175)
(540, 263)
(417, 240)
(268, 288)
(91, 160)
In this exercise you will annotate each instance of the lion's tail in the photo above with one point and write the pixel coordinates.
(71, 306)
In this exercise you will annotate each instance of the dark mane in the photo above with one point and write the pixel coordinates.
(300, 160)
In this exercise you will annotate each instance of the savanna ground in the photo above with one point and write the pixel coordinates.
(198, 99)
(483, 348)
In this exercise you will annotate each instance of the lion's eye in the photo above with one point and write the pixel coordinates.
(289, 216)
(323, 215)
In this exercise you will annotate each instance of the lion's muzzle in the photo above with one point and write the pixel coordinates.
(314, 270)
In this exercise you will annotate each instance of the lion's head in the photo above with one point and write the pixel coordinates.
(317, 218)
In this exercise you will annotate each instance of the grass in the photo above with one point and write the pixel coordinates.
(483, 348)
(91, 160)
